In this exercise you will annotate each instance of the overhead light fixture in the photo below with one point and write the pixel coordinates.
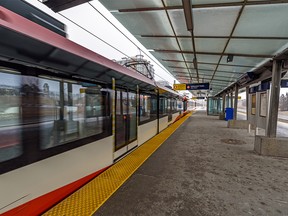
(195, 63)
(230, 58)
(188, 14)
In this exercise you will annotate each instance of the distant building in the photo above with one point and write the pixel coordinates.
(139, 64)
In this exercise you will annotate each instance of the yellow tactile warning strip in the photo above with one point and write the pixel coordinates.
(90, 197)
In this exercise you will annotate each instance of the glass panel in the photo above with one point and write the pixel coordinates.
(168, 56)
(173, 2)
(161, 25)
(69, 111)
(132, 116)
(179, 105)
(263, 104)
(148, 107)
(234, 69)
(283, 111)
(242, 105)
(186, 44)
(10, 116)
(268, 20)
(159, 43)
(210, 45)
(153, 107)
(162, 106)
(237, 60)
(255, 47)
(144, 108)
(222, 19)
(203, 58)
(203, 74)
(253, 107)
(178, 21)
(208, 67)
(197, 2)
(121, 115)
(169, 109)
(214, 106)
(115, 5)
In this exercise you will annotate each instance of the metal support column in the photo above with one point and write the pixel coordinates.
(223, 103)
(272, 115)
(231, 100)
(235, 102)
(247, 102)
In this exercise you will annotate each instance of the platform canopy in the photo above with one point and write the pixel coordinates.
(213, 41)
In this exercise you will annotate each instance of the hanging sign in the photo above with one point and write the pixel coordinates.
(198, 98)
(253, 89)
(179, 86)
(263, 87)
(284, 83)
(197, 86)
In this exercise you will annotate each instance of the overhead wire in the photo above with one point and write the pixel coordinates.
(113, 47)
(131, 41)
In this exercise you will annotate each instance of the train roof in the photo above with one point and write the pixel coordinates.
(25, 42)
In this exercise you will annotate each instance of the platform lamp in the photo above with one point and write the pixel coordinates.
(230, 58)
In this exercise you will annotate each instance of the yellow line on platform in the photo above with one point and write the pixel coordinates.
(91, 196)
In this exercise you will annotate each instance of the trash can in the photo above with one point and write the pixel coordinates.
(228, 113)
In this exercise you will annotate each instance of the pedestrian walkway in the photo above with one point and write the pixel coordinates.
(204, 168)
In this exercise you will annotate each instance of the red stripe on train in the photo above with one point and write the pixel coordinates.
(45, 202)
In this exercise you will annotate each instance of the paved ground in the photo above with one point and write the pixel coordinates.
(206, 169)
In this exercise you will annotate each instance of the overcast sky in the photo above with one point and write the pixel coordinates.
(91, 20)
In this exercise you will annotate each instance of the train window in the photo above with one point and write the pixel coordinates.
(163, 106)
(132, 116)
(174, 105)
(169, 107)
(179, 105)
(69, 111)
(253, 106)
(10, 116)
(147, 108)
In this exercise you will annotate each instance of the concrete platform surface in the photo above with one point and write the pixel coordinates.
(204, 168)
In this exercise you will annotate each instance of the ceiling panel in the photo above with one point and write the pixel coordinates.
(255, 47)
(140, 23)
(178, 21)
(202, 2)
(185, 44)
(214, 21)
(167, 56)
(158, 43)
(232, 68)
(206, 67)
(119, 5)
(203, 58)
(268, 20)
(239, 60)
(210, 44)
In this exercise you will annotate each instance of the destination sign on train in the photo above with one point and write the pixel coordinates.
(197, 86)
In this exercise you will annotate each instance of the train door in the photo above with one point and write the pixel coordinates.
(169, 109)
(126, 122)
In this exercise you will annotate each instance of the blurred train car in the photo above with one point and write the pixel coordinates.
(66, 113)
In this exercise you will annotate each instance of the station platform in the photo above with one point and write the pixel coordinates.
(200, 167)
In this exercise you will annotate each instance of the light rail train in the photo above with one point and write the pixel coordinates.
(66, 113)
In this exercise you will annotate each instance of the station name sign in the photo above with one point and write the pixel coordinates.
(284, 83)
(191, 86)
